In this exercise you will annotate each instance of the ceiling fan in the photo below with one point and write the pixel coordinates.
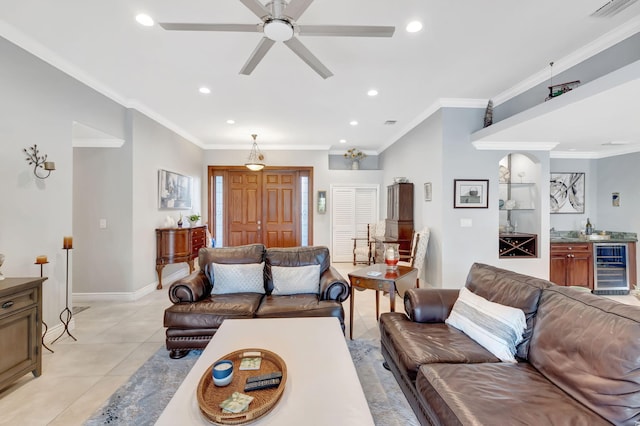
(279, 24)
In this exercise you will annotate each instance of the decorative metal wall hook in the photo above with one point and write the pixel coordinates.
(39, 161)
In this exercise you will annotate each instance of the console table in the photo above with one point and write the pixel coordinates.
(20, 328)
(177, 245)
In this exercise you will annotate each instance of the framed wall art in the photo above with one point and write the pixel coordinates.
(174, 190)
(322, 202)
(567, 193)
(471, 193)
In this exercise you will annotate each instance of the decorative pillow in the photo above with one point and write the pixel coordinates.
(238, 278)
(295, 279)
(495, 327)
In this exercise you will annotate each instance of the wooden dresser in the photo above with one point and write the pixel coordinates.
(20, 328)
(177, 245)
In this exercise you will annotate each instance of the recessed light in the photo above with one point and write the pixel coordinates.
(204, 90)
(572, 149)
(372, 92)
(144, 20)
(353, 122)
(414, 26)
(231, 122)
(343, 141)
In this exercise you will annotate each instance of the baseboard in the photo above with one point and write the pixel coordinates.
(79, 298)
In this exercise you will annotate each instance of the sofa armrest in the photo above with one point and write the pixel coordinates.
(429, 304)
(333, 286)
(190, 289)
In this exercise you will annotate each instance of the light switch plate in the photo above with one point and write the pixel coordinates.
(103, 224)
(466, 223)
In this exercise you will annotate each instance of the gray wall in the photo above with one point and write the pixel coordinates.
(38, 106)
(418, 157)
(438, 151)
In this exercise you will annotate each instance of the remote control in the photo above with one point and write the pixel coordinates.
(274, 375)
(262, 384)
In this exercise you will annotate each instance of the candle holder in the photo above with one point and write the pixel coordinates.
(66, 314)
(44, 324)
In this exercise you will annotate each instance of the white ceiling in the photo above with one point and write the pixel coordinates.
(467, 49)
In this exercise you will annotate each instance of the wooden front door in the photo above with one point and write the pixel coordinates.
(260, 207)
(244, 211)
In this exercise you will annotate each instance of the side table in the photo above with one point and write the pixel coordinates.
(387, 280)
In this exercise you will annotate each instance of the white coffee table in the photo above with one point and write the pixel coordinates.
(322, 386)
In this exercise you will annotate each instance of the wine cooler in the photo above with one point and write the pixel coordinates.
(611, 268)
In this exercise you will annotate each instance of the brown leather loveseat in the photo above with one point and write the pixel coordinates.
(578, 364)
(251, 282)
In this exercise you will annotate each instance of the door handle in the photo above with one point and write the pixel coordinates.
(7, 305)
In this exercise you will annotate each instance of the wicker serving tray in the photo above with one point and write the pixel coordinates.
(210, 396)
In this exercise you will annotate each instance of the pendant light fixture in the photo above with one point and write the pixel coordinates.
(256, 159)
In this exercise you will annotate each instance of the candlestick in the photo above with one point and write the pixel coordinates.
(44, 324)
(66, 312)
(67, 243)
(41, 260)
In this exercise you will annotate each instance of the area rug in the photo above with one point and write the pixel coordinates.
(141, 400)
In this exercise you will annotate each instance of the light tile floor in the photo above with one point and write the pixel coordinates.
(114, 339)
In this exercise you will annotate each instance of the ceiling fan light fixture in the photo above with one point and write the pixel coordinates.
(255, 162)
(278, 30)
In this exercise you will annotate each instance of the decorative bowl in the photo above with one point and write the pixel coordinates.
(400, 179)
(222, 372)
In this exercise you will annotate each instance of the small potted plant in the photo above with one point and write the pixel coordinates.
(193, 219)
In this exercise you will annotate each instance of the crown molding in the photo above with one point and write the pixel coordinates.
(593, 155)
(514, 146)
(602, 43)
(97, 142)
(263, 147)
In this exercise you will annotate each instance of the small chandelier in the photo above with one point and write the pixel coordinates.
(255, 161)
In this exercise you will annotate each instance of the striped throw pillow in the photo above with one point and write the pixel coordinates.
(497, 328)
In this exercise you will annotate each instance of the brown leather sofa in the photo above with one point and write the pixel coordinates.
(197, 314)
(579, 363)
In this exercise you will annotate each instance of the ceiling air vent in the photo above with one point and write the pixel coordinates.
(612, 7)
(390, 122)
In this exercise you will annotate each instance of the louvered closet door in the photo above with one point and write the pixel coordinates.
(352, 209)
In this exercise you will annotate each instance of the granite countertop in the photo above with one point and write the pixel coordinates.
(597, 237)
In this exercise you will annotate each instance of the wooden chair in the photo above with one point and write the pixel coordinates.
(362, 248)
(417, 254)
(377, 230)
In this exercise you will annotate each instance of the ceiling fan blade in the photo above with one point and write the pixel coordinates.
(306, 55)
(346, 30)
(257, 55)
(256, 7)
(242, 28)
(296, 8)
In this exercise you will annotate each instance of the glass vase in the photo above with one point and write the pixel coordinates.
(391, 255)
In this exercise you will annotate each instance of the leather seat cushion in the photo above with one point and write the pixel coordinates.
(412, 344)
(210, 312)
(298, 305)
(589, 346)
(498, 393)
